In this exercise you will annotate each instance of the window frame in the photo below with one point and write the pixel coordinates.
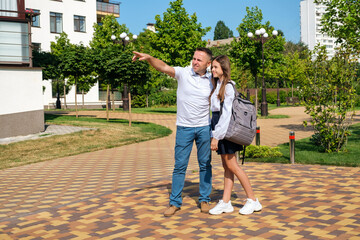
(77, 23)
(55, 22)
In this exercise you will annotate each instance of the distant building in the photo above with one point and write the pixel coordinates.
(74, 17)
(217, 43)
(21, 103)
(151, 27)
(310, 21)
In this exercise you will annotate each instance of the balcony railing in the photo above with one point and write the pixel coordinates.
(108, 8)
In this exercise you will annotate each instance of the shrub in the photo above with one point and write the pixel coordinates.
(138, 101)
(271, 97)
(330, 97)
(163, 98)
(253, 151)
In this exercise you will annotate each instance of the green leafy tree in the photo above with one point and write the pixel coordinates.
(178, 35)
(329, 97)
(221, 31)
(342, 21)
(49, 63)
(300, 48)
(293, 69)
(57, 49)
(104, 49)
(248, 53)
(76, 64)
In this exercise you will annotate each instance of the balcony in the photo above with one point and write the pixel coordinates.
(104, 8)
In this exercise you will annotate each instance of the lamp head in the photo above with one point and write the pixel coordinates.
(274, 33)
(123, 35)
(250, 34)
(113, 37)
(257, 32)
(135, 36)
(262, 30)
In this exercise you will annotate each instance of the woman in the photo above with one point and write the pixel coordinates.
(222, 96)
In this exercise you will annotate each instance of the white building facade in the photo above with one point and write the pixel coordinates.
(21, 100)
(310, 21)
(74, 17)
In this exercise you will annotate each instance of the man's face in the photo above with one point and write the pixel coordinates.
(200, 62)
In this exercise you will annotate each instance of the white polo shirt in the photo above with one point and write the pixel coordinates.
(192, 98)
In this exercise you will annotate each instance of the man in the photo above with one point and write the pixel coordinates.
(192, 121)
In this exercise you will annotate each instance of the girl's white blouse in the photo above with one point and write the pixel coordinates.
(223, 124)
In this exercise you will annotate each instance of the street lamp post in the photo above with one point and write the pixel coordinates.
(124, 39)
(262, 37)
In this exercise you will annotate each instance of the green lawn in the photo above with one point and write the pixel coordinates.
(104, 134)
(307, 153)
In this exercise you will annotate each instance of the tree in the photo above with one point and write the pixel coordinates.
(329, 97)
(247, 53)
(300, 47)
(221, 31)
(76, 65)
(342, 21)
(104, 49)
(49, 63)
(57, 49)
(293, 69)
(178, 35)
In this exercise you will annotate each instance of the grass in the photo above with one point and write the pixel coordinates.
(307, 153)
(270, 116)
(149, 110)
(105, 134)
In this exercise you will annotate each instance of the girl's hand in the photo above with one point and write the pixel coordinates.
(214, 144)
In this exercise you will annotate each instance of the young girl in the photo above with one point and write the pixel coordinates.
(222, 96)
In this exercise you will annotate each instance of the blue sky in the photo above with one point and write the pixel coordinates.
(282, 14)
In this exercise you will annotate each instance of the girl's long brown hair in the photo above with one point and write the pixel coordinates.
(224, 62)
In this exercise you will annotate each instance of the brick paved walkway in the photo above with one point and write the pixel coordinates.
(121, 193)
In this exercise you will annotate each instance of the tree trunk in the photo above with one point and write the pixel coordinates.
(64, 95)
(256, 94)
(76, 110)
(129, 97)
(107, 102)
(82, 93)
(113, 99)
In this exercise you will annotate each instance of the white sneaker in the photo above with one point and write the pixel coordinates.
(250, 207)
(222, 207)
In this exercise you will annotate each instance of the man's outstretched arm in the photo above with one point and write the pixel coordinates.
(156, 63)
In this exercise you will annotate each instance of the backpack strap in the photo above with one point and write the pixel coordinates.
(235, 91)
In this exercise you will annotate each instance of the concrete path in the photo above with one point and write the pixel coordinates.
(121, 193)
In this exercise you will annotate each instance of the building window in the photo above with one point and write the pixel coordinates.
(14, 42)
(36, 46)
(79, 23)
(55, 22)
(35, 21)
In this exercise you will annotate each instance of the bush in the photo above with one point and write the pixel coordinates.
(283, 96)
(138, 101)
(163, 98)
(357, 101)
(253, 151)
(271, 97)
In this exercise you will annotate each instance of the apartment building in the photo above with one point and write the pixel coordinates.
(21, 105)
(310, 21)
(74, 17)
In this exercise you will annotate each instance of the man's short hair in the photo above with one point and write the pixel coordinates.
(206, 50)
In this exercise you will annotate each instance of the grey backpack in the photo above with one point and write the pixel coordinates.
(242, 126)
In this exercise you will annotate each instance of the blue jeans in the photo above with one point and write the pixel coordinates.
(185, 137)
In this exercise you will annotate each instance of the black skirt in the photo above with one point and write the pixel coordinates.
(225, 146)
